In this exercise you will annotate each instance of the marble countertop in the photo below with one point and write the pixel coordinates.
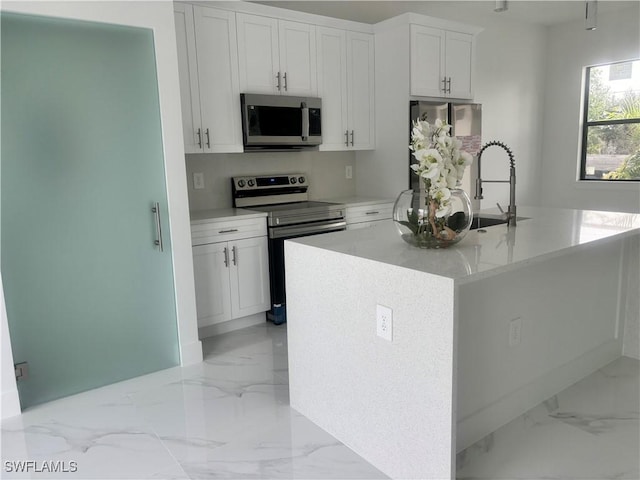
(547, 232)
(221, 214)
(356, 201)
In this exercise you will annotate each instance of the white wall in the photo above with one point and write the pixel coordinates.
(325, 171)
(9, 401)
(570, 49)
(157, 15)
(509, 83)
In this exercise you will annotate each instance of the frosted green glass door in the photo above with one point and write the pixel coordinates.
(89, 296)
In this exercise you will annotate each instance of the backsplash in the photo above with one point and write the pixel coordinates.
(325, 171)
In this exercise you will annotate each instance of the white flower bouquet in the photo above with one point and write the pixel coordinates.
(439, 214)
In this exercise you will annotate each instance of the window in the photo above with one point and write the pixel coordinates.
(611, 126)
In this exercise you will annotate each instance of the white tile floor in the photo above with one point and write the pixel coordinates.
(229, 417)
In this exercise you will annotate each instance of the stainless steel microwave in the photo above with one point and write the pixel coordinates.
(280, 122)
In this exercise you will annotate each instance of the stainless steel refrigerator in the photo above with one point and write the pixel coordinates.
(466, 124)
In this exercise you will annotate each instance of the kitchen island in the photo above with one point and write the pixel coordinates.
(480, 332)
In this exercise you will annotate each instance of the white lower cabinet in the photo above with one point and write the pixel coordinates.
(231, 279)
(364, 216)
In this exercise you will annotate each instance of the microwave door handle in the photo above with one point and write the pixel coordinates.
(305, 121)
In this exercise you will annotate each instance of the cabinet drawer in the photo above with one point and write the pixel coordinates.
(368, 213)
(222, 231)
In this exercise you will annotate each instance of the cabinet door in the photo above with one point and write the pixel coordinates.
(332, 86)
(258, 53)
(360, 90)
(249, 276)
(211, 274)
(217, 57)
(427, 61)
(188, 71)
(298, 58)
(458, 64)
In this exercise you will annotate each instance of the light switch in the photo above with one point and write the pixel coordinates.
(348, 172)
(198, 181)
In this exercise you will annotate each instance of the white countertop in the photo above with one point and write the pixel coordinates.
(356, 201)
(221, 214)
(548, 232)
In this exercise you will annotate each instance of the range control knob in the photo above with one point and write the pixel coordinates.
(293, 180)
(251, 182)
(301, 179)
(241, 183)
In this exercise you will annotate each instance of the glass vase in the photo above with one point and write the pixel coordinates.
(414, 214)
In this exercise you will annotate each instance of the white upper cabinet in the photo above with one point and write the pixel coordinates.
(209, 86)
(188, 71)
(360, 90)
(276, 56)
(441, 63)
(346, 86)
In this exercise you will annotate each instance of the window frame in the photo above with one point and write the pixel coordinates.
(586, 124)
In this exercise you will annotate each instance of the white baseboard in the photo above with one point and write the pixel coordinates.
(487, 420)
(231, 325)
(10, 402)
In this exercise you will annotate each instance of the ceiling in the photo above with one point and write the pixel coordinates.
(542, 12)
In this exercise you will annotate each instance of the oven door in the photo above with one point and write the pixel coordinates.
(272, 121)
(277, 236)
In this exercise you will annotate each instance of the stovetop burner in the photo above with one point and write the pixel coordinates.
(284, 198)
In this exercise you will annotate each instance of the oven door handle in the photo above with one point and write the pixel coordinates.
(301, 230)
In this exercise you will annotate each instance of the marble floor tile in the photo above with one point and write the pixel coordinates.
(229, 417)
(588, 431)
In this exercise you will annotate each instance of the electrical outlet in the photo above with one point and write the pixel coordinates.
(384, 322)
(348, 172)
(198, 181)
(515, 332)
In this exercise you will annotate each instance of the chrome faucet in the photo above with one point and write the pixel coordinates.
(511, 210)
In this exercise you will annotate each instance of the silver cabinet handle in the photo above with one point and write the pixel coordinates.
(199, 138)
(449, 85)
(226, 257)
(231, 230)
(279, 84)
(352, 138)
(206, 132)
(285, 81)
(156, 213)
(372, 213)
(444, 84)
(346, 137)
(235, 255)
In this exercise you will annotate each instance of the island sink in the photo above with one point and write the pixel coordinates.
(482, 221)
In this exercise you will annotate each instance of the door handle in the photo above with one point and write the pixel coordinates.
(156, 213)
(208, 139)
(199, 138)
(285, 81)
(279, 84)
(449, 85)
(226, 257)
(346, 137)
(352, 138)
(444, 84)
(235, 255)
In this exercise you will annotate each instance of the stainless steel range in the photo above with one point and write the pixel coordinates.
(290, 214)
